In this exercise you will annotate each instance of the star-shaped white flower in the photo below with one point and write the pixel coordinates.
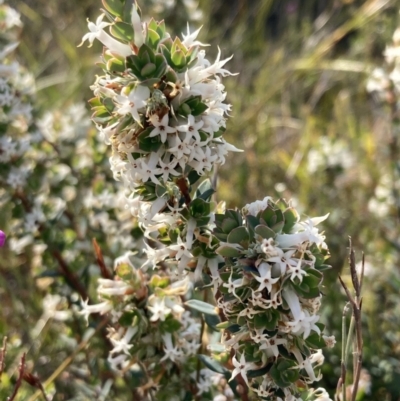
(94, 29)
(181, 147)
(271, 344)
(96, 32)
(284, 260)
(161, 127)
(265, 279)
(159, 310)
(297, 271)
(241, 367)
(304, 324)
(123, 345)
(135, 101)
(168, 169)
(232, 285)
(191, 128)
(171, 352)
(181, 249)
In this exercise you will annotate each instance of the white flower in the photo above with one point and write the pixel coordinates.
(96, 32)
(283, 260)
(232, 285)
(181, 148)
(181, 249)
(241, 367)
(168, 169)
(265, 279)
(255, 207)
(297, 272)
(122, 345)
(271, 344)
(136, 100)
(191, 128)
(171, 352)
(160, 127)
(158, 309)
(138, 36)
(101, 308)
(189, 40)
(304, 323)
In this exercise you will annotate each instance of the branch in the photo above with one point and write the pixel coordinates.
(34, 381)
(356, 305)
(3, 352)
(65, 270)
(21, 369)
(100, 261)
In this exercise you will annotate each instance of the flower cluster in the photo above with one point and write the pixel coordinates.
(386, 81)
(17, 131)
(160, 105)
(152, 332)
(269, 291)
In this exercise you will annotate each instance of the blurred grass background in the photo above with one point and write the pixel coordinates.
(301, 112)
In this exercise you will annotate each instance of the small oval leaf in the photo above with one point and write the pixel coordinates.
(202, 307)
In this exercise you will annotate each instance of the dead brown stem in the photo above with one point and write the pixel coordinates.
(21, 370)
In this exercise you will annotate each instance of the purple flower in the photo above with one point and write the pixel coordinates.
(2, 238)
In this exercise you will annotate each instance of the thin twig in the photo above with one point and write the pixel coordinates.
(69, 275)
(342, 380)
(68, 360)
(21, 369)
(34, 381)
(100, 260)
(3, 352)
(355, 324)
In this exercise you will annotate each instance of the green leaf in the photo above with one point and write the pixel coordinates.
(239, 235)
(264, 232)
(315, 341)
(199, 208)
(202, 307)
(277, 227)
(178, 59)
(272, 319)
(228, 251)
(115, 65)
(223, 325)
(148, 70)
(193, 177)
(259, 372)
(153, 38)
(291, 218)
(170, 325)
(204, 187)
(199, 109)
(228, 225)
(212, 321)
(212, 364)
(114, 7)
(149, 144)
(122, 30)
(284, 372)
